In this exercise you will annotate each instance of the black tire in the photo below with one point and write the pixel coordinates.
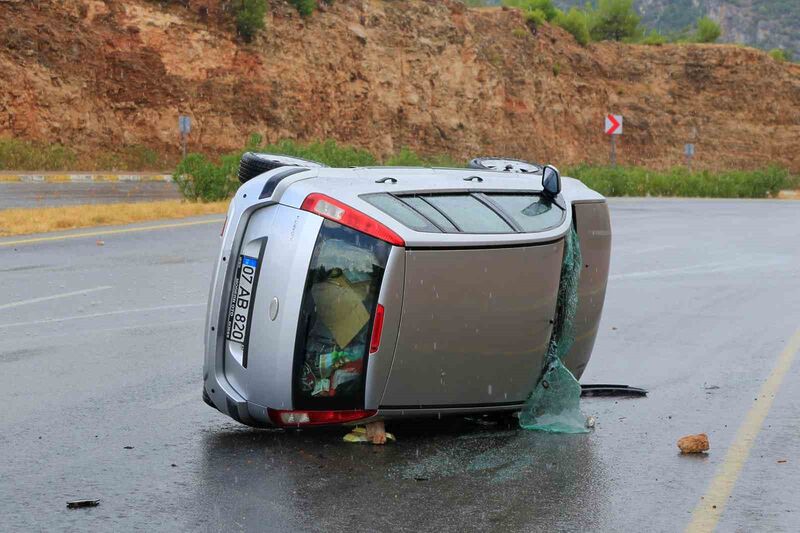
(253, 164)
(505, 164)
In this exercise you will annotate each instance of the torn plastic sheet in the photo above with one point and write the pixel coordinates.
(554, 404)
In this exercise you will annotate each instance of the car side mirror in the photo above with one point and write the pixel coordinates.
(551, 181)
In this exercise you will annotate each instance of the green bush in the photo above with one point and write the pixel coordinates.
(250, 17)
(615, 20)
(576, 22)
(535, 18)
(409, 158)
(679, 181)
(520, 33)
(653, 38)
(708, 31)
(546, 7)
(304, 7)
(328, 152)
(779, 55)
(23, 155)
(199, 179)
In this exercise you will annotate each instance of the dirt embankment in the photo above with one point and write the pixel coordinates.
(430, 75)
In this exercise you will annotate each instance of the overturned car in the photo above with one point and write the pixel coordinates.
(358, 294)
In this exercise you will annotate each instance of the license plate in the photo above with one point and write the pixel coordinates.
(241, 299)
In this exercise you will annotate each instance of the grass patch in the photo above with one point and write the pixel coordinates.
(23, 155)
(679, 182)
(46, 219)
(16, 154)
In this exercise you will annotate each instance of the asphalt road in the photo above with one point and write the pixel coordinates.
(703, 294)
(43, 194)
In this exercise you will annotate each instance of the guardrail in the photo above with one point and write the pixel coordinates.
(80, 177)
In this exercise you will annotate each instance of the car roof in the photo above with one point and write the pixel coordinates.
(351, 185)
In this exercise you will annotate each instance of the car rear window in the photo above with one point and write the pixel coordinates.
(401, 212)
(532, 212)
(336, 316)
(427, 210)
(469, 214)
(473, 212)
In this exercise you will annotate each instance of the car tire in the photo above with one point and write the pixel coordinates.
(253, 164)
(505, 164)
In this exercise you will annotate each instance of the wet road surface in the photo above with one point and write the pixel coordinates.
(43, 194)
(101, 355)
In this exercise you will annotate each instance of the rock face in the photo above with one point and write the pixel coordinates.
(430, 75)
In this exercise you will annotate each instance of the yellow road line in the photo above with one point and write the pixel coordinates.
(109, 232)
(708, 512)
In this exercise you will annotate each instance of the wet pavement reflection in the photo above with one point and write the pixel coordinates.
(442, 475)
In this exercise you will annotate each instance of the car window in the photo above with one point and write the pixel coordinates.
(430, 212)
(532, 212)
(401, 212)
(469, 214)
(336, 316)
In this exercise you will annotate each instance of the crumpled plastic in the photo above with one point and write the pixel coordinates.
(554, 404)
(359, 434)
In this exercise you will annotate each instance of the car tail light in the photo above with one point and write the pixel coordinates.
(377, 329)
(316, 418)
(335, 210)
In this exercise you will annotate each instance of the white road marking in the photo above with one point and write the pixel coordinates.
(53, 297)
(708, 512)
(97, 315)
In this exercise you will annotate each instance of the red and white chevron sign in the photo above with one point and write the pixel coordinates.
(613, 124)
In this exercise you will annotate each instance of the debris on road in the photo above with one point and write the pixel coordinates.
(694, 443)
(127, 447)
(590, 390)
(590, 422)
(78, 504)
(359, 434)
(554, 404)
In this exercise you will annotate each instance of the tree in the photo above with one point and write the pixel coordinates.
(250, 17)
(546, 7)
(708, 31)
(575, 21)
(304, 7)
(615, 20)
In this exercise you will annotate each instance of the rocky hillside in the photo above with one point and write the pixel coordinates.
(430, 75)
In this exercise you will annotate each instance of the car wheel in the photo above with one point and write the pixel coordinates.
(253, 164)
(504, 164)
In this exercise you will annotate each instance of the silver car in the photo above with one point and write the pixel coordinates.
(357, 294)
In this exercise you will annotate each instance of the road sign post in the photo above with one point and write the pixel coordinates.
(688, 151)
(613, 127)
(185, 126)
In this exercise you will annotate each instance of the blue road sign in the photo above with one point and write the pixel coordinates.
(185, 124)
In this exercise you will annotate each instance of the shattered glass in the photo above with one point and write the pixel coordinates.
(554, 404)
